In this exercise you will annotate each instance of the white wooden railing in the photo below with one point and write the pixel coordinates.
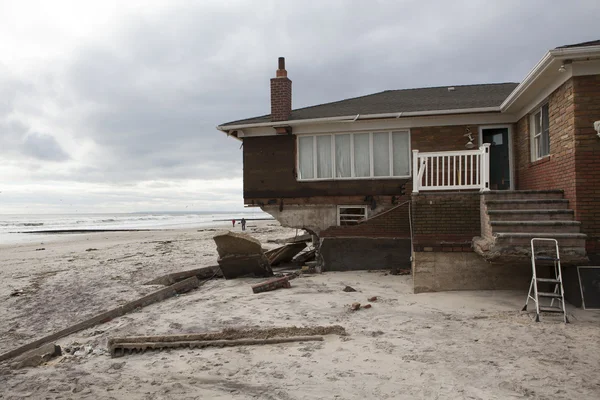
(452, 170)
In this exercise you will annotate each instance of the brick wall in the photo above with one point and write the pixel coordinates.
(281, 99)
(574, 162)
(587, 159)
(558, 170)
(442, 138)
(445, 221)
(392, 223)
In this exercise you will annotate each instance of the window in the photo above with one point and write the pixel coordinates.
(540, 133)
(351, 215)
(354, 155)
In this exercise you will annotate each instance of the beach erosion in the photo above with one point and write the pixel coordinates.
(450, 345)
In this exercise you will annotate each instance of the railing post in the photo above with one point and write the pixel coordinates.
(485, 167)
(415, 171)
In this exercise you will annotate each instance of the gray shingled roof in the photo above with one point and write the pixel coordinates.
(406, 100)
(582, 44)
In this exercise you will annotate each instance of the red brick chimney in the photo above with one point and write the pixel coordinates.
(281, 94)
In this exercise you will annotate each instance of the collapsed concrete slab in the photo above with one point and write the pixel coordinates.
(241, 255)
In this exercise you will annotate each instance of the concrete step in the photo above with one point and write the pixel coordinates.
(536, 226)
(527, 204)
(523, 194)
(524, 239)
(531, 215)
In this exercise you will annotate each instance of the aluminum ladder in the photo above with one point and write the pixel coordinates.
(558, 294)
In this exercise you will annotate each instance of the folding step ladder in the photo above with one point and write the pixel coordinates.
(558, 294)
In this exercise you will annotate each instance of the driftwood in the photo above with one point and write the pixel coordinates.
(118, 349)
(201, 273)
(180, 287)
(272, 284)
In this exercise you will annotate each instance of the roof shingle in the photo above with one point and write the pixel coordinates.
(405, 100)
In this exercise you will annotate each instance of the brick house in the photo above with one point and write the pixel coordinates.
(456, 180)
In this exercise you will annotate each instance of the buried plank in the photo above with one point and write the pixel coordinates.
(119, 349)
(201, 273)
(180, 287)
(236, 333)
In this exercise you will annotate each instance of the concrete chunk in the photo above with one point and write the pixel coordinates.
(38, 356)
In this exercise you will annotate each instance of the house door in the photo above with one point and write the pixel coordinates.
(499, 157)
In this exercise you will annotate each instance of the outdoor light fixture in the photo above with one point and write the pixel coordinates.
(563, 67)
(470, 143)
(597, 127)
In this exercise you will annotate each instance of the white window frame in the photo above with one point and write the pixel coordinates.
(352, 177)
(339, 216)
(536, 136)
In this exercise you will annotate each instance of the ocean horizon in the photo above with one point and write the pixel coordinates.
(18, 228)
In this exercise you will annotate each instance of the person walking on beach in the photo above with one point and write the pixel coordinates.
(233, 223)
(243, 224)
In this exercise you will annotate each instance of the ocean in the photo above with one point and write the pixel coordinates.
(14, 228)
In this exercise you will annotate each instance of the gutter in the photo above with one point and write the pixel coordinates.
(544, 64)
(352, 118)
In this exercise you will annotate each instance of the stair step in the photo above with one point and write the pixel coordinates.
(551, 309)
(552, 226)
(547, 280)
(548, 294)
(531, 215)
(524, 238)
(527, 204)
(523, 194)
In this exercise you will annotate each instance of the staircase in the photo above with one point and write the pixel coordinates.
(510, 219)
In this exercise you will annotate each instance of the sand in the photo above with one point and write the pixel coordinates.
(453, 345)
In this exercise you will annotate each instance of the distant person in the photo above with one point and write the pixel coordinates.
(243, 224)
(233, 222)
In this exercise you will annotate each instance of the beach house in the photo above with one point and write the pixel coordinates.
(452, 180)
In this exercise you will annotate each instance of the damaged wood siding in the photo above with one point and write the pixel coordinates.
(270, 172)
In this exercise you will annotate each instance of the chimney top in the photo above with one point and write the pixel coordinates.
(281, 72)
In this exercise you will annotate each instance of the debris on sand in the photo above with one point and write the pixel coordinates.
(400, 271)
(35, 357)
(273, 284)
(91, 249)
(17, 292)
(374, 298)
(285, 253)
(228, 337)
(355, 306)
(241, 255)
(349, 289)
(367, 306)
(170, 291)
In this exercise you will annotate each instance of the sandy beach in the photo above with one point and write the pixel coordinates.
(453, 345)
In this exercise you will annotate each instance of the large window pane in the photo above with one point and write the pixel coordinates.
(342, 156)
(324, 169)
(362, 159)
(305, 149)
(401, 153)
(381, 154)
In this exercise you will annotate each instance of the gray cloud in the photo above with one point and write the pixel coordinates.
(148, 101)
(43, 147)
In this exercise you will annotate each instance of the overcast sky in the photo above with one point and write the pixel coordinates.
(111, 106)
